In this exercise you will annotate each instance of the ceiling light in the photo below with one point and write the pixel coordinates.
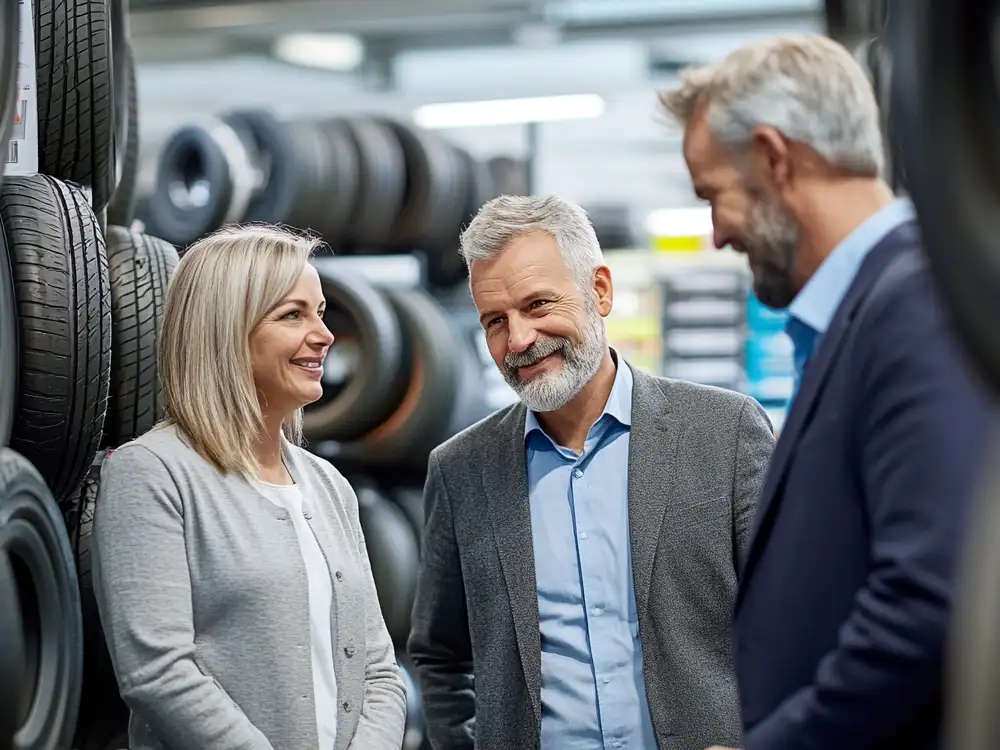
(340, 52)
(509, 111)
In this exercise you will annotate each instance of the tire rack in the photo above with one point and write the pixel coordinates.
(366, 185)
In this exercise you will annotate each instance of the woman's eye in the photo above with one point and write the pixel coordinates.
(294, 315)
(538, 303)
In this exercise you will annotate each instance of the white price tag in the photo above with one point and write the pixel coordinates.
(22, 149)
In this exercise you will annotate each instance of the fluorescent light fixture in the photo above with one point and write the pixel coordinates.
(509, 111)
(340, 52)
(665, 11)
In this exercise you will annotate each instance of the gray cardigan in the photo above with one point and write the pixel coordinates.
(203, 600)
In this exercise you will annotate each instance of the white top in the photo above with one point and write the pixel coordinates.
(289, 497)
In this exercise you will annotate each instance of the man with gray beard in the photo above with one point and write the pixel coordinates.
(582, 548)
(841, 619)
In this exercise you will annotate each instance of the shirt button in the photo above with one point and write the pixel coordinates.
(339, 576)
(349, 651)
(583, 534)
(606, 680)
(597, 611)
(578, 473)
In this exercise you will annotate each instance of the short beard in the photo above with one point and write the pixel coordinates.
(772, 239)
(552, 391)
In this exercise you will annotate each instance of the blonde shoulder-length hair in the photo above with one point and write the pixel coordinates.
(222, 288)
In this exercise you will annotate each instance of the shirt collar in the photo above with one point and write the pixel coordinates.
(819, 299)
(618, 407)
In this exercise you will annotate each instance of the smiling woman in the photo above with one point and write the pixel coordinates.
(232, 289)
(216, 529)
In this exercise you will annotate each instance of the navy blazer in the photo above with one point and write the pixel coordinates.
(841, 614)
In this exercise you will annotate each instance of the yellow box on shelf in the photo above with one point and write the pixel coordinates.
(679, 244)
(680, 230)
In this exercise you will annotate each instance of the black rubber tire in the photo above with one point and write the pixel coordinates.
(12, 653)
(121, 209)
(10, 22)
(341, 182)
(482, 186)
(422, 420)
(381, 184)
(140, 268)
(103, 716)
(393, 555)
(293, 157)
(76, 94)
(9, 353)
(34, 537)
(445, 266)
(199, 183)
(64, 312)
(435, 190)
(358, 313)
(946, 116)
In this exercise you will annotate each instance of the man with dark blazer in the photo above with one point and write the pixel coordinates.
(842, 611)
(581, 548)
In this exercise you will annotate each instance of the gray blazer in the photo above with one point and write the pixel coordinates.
(697, 460)
(203, 599)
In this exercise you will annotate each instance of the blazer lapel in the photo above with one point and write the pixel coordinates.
(810, 389)
(653, 444)
(505, 486)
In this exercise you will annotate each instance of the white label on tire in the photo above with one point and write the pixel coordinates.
(22, 150)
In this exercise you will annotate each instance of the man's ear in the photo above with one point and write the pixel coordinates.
(772, 157)
(603, 290)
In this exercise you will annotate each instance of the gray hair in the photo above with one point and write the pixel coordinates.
(502, 219)
(808, 87)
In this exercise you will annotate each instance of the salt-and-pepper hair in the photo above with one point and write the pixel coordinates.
(808, 87)
(502, 219)
(223, 287)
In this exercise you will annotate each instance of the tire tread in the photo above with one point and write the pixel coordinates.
(64, 310)
(140, 267)
(75, 93)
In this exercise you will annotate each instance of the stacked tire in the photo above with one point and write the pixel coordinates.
(80, 303)
(366, 185)
(139, 271)
(401, 378)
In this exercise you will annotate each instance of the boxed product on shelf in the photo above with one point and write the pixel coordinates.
(703, 322)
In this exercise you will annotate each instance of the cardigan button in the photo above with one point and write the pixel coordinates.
(339, 576)
(349, 651)
(347, 706)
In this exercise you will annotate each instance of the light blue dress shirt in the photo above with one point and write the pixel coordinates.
(593, 694)
(813, 308)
